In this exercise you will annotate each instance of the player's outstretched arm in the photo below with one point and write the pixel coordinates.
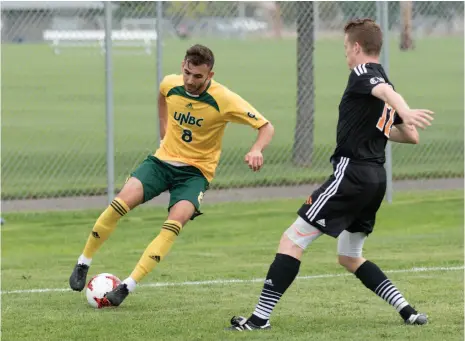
(420, 118)
(403, 133)
(254, 158)
(162, 114)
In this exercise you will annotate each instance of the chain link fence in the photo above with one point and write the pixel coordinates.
(286, 58)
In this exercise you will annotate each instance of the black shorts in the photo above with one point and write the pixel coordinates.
(348, 200)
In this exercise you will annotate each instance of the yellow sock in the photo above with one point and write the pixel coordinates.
(104, 226)
(157, 249)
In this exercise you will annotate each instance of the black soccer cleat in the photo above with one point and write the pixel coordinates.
(239, 323)
(77, 280)
(417, 319)
(117, 295)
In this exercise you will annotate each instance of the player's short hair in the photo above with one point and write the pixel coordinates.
(367, 33)
(199, 55)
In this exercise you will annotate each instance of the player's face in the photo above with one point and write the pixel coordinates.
(196, 78)
(352, 51)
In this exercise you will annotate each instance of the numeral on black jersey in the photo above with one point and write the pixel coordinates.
(387, 115)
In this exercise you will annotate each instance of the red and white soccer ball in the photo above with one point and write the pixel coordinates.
(98, 286)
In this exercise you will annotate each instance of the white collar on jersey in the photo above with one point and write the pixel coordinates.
(192, 94)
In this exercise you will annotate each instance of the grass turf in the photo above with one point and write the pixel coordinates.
(235, 241)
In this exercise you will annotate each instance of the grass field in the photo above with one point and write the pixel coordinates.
(420, 230)
(53, 111)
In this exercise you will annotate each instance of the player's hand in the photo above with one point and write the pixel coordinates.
(420, 118)
(254, 159)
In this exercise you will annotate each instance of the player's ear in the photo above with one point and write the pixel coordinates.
(182, 65)
(211, 74)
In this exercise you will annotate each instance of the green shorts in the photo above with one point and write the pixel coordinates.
(183, 183)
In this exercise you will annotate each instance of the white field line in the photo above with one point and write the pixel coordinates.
(229, 281)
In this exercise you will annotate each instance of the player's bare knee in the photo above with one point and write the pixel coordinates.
(347, 260)
(182, 211)
(132, 192)
(287, 244)
(298, 237)
(289, 247)
(351, 263)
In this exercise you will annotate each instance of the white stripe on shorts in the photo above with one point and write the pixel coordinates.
(330, 191)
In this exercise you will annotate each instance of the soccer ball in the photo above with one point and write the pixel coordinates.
(98, 286)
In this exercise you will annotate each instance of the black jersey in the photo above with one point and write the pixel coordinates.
(365, 121)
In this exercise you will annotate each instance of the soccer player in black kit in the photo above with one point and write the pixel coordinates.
(345, 206)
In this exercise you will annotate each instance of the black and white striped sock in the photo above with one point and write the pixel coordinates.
(375, 280)
(280, 276)
(388, 292)
(266, 303)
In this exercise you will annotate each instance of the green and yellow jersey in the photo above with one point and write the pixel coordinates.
(196, 124)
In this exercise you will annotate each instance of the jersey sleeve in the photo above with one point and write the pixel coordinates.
(238, 110)
(167, 83)
(363, 79)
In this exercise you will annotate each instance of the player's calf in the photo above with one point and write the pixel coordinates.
(155, 252)
(350, 247)
(103, 228)
(375, 280)
(281, 274)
